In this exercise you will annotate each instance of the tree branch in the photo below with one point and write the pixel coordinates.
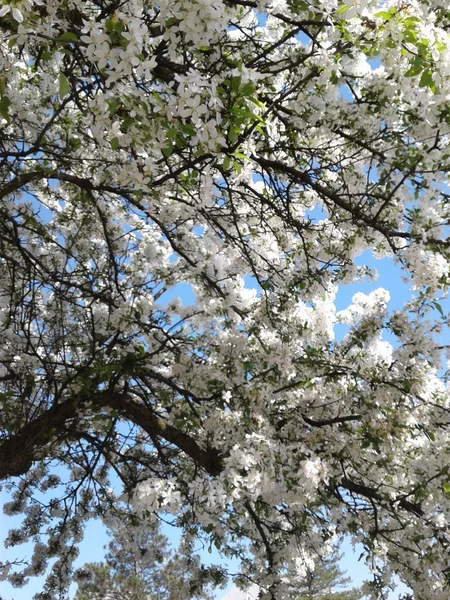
(29, 444)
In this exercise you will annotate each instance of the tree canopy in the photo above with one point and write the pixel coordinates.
(254, 153)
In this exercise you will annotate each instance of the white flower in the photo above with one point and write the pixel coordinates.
(378, 351)
(426, 267)
(16, 13)
(226, 396)
(365, 305)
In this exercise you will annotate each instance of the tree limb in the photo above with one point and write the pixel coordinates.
(33, 440)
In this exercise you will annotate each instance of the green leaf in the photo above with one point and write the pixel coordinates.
(410, 21)
(179, 142)
(233, 135)
(171, 133)
(112, 26)
(334, 78)
(411, 36)
(427, 79)
(235, 83)
(342, 9)
(415, 69)
(4, 107)
(247, 89)
(446, 487)
(99, 417)
(226, 163)
(114, 143)
(188, 129)
(64, 86)
(75, 144)
(384, 14)
(438, 307)
(257, 102)
(68, 36)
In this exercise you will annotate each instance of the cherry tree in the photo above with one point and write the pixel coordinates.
(251, 150)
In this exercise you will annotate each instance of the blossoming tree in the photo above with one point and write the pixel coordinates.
(251, 149)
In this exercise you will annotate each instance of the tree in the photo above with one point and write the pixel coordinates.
(323, 582)
(141, 566)
(251, 150)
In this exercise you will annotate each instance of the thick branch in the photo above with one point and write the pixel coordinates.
(368, 492)
(153, 425)
(33, 441)
(19, 181)
(24, 447)
(325, 422)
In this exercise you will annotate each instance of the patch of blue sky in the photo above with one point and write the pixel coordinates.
(198, 230)
(345, 93)
(182, 291)
(262, 18)
(303, 38)
(251, 283)
(374, 62)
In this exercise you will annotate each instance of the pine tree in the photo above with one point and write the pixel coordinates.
(327, 582)
(140, 565)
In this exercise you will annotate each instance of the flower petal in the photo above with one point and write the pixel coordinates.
(17, 15)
